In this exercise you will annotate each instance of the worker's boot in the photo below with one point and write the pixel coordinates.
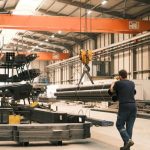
(122, 148)
(127, 145)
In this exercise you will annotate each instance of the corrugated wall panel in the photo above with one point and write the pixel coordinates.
(103, 40)
(145, 58)
(116, 68)
(126, 61)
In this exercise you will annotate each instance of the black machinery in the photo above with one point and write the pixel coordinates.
(15, 68)
(19, 63)
(66, 127)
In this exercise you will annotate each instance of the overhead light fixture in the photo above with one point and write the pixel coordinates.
(36, 46)
(46, 40)
(89, 12)
(59, 32)
(52, 36)
(104, 2)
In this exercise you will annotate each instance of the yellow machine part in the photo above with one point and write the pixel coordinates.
(86, 56)
(34, 104)
(14, 119)
(82, 56)
(90, 54)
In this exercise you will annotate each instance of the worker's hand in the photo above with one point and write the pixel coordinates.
(112, 86)
(117, 77)
(134, 92)
(110, 93)
(114, 98)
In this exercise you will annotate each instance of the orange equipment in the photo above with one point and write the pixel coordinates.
(72, 24)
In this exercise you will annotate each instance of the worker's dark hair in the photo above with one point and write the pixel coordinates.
(123, 73)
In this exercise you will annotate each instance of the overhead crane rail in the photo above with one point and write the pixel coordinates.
(73, 24)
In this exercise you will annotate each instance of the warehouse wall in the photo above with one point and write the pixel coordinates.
(122, 60)
(143, 59)
(104, 39)
(117, 61)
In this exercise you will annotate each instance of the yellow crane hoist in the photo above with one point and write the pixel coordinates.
(86, 57)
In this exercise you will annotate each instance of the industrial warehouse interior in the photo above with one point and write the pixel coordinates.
(75, 74)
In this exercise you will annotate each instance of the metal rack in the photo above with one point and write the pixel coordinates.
(20, 64)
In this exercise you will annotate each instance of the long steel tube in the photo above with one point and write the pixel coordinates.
(86, 99)
(85, 87)
(78, 93)
(84, 95)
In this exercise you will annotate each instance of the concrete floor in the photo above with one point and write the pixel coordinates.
(102, 138)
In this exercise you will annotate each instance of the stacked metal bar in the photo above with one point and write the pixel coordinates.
(47, 116)
(84, 93)
(51, 132)
(6, 132)
(99, 122)
(4, 115)
(25, 133)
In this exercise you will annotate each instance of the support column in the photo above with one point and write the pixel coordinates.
(61, 75)
(133, 63)
(53, 80)
(95, 42)
(112, 65)
(112, 57)
(70, 74)
(149, 61)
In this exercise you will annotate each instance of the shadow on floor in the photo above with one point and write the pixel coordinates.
(45, 144)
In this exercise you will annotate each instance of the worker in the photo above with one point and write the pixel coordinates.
(125, 91)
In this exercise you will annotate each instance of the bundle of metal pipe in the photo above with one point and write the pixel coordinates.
(84, 93)
(85, 87)
(85, 99)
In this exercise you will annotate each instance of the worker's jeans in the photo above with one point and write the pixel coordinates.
(125, 121)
